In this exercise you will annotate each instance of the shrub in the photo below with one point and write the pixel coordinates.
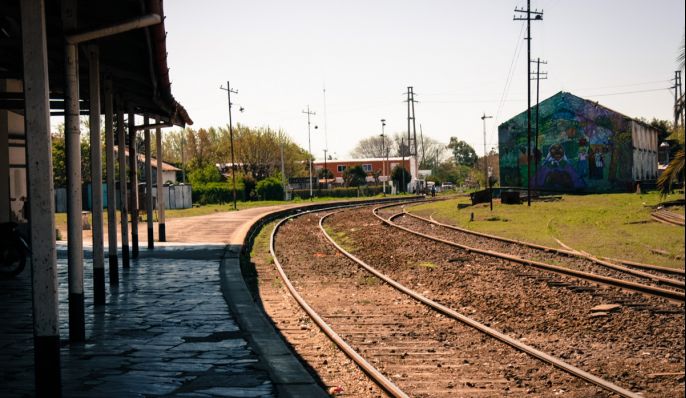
(216, 192)
(270, 189)
(339, 192)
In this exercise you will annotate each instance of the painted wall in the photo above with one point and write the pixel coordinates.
(582, 146)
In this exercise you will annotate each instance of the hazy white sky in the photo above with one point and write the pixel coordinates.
(457, 55)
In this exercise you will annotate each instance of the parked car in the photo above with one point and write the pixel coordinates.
(447, 185)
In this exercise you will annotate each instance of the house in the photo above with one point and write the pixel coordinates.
(372, 166)
(581, 146)
(169, 172)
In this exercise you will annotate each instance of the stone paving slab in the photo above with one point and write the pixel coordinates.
(166, 331)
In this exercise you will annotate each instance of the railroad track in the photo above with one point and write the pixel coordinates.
(575, 264)
(410, 344)
(668, 217)
(614, 263)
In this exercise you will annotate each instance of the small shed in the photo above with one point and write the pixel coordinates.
(581, 146)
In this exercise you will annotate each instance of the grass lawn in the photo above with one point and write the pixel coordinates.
(612, 225)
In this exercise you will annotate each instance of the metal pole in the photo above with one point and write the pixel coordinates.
(383, 151)
(111, 187)
(309, 146)
(123, 191)
(133, 177)
(402, 165)
(46, 336)
(483, 118)
(233, 162)
(148, 186)
(528, 102)
(160, 188)
(283, 175)
(538, 84)
(326, 172)
(72, 131)
(96, 177)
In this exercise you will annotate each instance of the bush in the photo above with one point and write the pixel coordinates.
(338, 192)
(216, 193)
(270, 189)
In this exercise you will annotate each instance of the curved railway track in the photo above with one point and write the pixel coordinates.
(575, 264)
(429, 352)
(668, 217)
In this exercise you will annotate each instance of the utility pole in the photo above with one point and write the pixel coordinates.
(229, 90)
(309, 145)
(402, 152)
(483, 118)
(326, 171)
(383, 144)
(283, 175)
(412, 133)
(538, 79)
(538, 16)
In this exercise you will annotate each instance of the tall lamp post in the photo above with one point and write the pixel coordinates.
(383, 163)
(229, 90)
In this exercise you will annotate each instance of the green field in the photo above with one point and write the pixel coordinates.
(612, 225)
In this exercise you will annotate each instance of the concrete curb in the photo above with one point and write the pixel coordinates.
(289, 376)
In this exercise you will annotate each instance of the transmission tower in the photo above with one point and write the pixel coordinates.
(412, 133)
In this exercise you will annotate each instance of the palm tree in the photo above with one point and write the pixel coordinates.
(675, 168)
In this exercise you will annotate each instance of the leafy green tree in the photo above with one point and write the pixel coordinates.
(200, 176)
(398, 175)
(463, 153)
(354, 176)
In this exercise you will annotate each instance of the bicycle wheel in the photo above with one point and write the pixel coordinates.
(12, 261)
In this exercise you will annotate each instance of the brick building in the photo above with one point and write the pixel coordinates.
(338, 166)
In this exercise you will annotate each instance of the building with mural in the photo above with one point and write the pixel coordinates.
(581, 146)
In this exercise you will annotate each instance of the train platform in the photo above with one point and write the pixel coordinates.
(181, 323)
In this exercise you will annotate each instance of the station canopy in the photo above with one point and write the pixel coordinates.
(135, 61)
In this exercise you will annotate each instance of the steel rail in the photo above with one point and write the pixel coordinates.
(667, 217)
(651, 290)
(674, 271)
(652, 267)
(378, 377)
(567, 252)
(556, 362)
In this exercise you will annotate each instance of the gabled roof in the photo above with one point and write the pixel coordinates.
(574, 99)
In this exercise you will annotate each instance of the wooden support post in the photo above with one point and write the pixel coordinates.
(72, 131)
(123, 201)
(160, 188)
(111, 187)
(96, 176)
(148, 186)
(46, 336)
(4, 161)
(133, 177)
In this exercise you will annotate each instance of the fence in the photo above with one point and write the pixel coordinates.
(175, 197)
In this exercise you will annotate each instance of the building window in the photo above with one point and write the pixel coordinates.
(367, 168)
(340, 168)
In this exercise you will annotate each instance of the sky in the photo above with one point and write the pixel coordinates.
(352, 61)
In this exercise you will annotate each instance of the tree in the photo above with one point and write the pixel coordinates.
(400, 177)
(354, 176)
(431, 152)
(463, 153)
(324, 173)
(200, 176)
(373, 147)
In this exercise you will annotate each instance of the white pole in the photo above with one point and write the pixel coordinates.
(46, 335)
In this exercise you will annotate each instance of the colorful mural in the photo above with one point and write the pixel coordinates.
(582, 146)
